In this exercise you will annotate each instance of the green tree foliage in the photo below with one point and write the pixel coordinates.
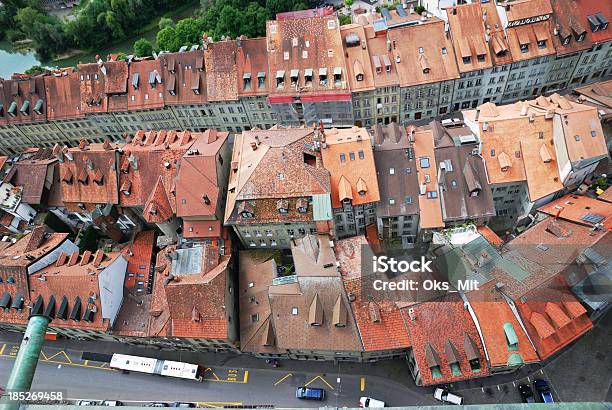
(344, 19)
(165, 22)
(166, 40)
(143, 47)
(188, 32)
(348, 3)
(89, 240)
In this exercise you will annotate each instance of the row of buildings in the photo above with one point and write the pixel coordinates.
(396, 66)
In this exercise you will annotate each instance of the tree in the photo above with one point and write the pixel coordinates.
(419, 9)
(188, 32)
(344, 19)
(165, 22)
(166, 40)
(348, 3)
(143, 48)
(230, 22)
(254, 20)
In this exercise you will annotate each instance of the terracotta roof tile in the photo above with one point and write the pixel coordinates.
(180, 73)
(430, 209)
(580, 209)
(349, 158)
(588, 8)
(63, 95)
(469, 37)
(358, 63)
(146, 88)
(221, 71)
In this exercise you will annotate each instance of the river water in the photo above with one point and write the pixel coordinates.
(14, 61)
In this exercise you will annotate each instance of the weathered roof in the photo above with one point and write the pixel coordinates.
(252, 59)
(580, 209)
(469, 37)
(221, 70)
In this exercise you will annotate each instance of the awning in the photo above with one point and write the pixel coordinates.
(323, 71)
(308, 72)
(280, 74)
(523, 36)
(12, 108)
(295, 73)
(261, 74)
(246, 76)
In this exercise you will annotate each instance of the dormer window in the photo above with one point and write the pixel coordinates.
(524, 48)
(542, 43)
(25, 108)
(294, 77)
(308, 76)
(337, 75)
(280, 79)
(302, 205)
(282, 205)
(480, 58)
(466, 60)
(261, 79)
(245, 209)
(246, 81)
(135, 80)
(323, 76)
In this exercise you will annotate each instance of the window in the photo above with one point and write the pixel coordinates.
(492, 152)
(255, 318)
(391, 171)
(362, 155)
(391, 201)
(424, 162)
(432, 194)
(524, 48)
(352, 156)
(408, 200)
(342, 157)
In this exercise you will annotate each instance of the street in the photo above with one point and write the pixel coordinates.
(579, 373)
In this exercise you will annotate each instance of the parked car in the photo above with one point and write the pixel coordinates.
(156, 405)
(370, 402)
(543, 390)
(112, 403)
(526, 393)
(86, 403)
(182, 404)
(448, 397)
(309, 393)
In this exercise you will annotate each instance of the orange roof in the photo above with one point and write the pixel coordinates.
(580, 209)
(388, 330)
(607, 195)
(252, 59)
(221, 70)
(384, 66)
(469, 36)
(201, 229)
(498, 43)
(490, 235)
(306, 43)
(425, 53)
(584, 136)
(357, 58)
(530, 34)
(430, 209)
(590, 7)
(63, 95)
(350, 162)
(494, 315)
(523, 137)
(566, 17)
(553, 317)
(139, 254)
(146, 88)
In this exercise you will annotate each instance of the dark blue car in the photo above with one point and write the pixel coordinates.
(309, 393)
(543, 390)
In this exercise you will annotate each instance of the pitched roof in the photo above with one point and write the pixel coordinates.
(529, 34)
(184, 77)
(306, 43)
(63, 95)
(360, 73)
(32, 172)
(469, 37)
(349, 159)
(221, 71)
(436, 323)
(426, 40)
(566, 16)
(588, 8)
(252, 62)
(580, 209)
(85, 162)
(158, 207)
(553, 317)
(274, 164)
(199, 181)
(139, 256)
(389, 331)
(146, 87)
(430, 209)
(497, 323)
(600, 93)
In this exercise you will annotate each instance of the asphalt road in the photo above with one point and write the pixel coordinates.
(221, 386)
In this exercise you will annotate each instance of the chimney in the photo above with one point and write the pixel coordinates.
(133, 162)
(254, 145)
(106, 145)
(67, 153)
(82, 144)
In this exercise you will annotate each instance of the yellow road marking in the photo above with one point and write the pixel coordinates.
(61, 352)
(218, 404)
(2, 348)
(362, 383)
(320, 378)
(86, 363)
(282, 379)
(246, 377)
(42, 353)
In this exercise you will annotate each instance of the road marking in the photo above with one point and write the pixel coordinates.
(513, 385)
(217, 404)
(320, 378)
(362, 384)
(282, 379)
(528, 379)
(498, 387)
(60, 353)
(2, 348)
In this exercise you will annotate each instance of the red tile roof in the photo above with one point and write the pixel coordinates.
(591, 7)
(494, 314)
(553, 317)
(566, 16)
(580, 209)
(221, 71)
(252, 59)
(82, 187)
(436, 323)
(63, 95)
(201, 229)
(183, 74)
(145, 89)
(138, 255)
(469, 36)
(158, 207)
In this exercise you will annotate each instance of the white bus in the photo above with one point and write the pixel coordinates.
(160, 367)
